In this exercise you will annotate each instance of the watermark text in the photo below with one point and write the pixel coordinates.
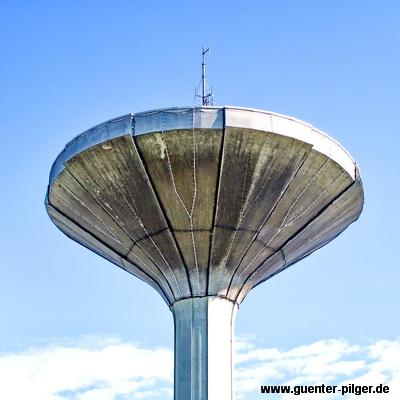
(351, 388)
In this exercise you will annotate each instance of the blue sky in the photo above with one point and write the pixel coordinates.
(66, 66)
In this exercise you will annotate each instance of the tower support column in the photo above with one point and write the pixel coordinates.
(204, 348)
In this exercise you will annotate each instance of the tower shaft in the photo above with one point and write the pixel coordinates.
(203, 348)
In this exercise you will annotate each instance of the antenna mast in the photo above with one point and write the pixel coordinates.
(207, 99)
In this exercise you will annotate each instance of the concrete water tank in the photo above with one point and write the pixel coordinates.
(203, 204)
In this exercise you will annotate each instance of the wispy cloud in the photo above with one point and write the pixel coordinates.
(107, 368)
(330, 362)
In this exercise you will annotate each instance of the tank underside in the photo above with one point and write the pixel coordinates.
(206, 201)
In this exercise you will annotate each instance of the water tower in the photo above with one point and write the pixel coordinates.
(203, 204)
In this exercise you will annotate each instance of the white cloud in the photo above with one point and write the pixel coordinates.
(106, 368)
(329, 362)
(92, 369)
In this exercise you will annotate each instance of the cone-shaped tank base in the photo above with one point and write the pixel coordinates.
(204, 348)
(204, 201)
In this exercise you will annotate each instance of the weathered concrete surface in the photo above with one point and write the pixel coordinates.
(206, 201)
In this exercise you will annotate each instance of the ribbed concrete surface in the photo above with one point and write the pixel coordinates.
(204, 201)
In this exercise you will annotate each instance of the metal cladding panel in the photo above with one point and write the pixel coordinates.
(204, 201)
(287, 126)
(108, 130)
(209, 118)
(176, 119)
